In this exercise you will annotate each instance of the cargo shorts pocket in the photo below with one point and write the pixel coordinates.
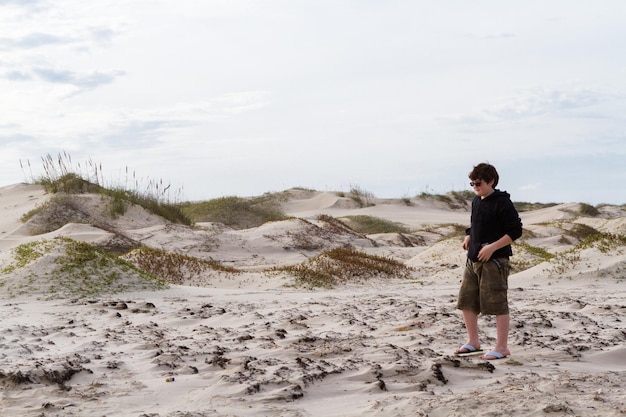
(499, 278)
(494, 298)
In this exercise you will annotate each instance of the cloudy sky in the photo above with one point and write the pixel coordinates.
(395, 97)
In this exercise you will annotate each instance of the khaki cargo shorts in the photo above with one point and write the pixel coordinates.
(484, 287)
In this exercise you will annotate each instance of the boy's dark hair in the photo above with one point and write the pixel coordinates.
(485, 172)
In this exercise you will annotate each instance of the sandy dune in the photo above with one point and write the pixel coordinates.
(254, 344)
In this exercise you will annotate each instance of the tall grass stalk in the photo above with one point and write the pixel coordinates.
(61, 174)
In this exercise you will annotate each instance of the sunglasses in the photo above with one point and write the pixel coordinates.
(476, 183)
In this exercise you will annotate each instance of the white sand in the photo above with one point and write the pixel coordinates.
(254, 345)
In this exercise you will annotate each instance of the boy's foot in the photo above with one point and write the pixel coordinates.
(492, 355)
(467, 350)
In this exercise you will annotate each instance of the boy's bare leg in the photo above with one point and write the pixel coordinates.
(502, 336)
(471, 325)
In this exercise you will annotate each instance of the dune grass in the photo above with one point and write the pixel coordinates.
(566, 260)
(360, 196)
(341, 265)
(534, 256)
(236, 212)
(522, 206)
(588, 210)
(62, 175)
(604, 242)
(454, 199)
(581, 231)
(371, 225)
(174, 268)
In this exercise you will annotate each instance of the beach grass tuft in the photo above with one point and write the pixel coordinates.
(360, 196)
(63, 175)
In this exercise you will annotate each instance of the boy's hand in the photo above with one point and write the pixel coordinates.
(466, 242)
(485, 252)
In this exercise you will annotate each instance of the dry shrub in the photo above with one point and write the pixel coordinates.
(588, 210)
(60, 210)
(361, 196)
(343, 264)
(175, 268)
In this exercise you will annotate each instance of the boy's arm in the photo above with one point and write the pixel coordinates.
(486, 251)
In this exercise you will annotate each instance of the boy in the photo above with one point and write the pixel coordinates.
(495, 224)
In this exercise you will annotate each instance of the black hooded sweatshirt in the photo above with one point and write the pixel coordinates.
(493, 217)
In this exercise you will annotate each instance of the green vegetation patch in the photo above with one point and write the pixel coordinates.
(604, 242)
(534, 256)
(370, 225)
(78, 270)
(172, 212)
(28, 252)
(341, 265)
(175, 268)
(236, 212)
(536, 251)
